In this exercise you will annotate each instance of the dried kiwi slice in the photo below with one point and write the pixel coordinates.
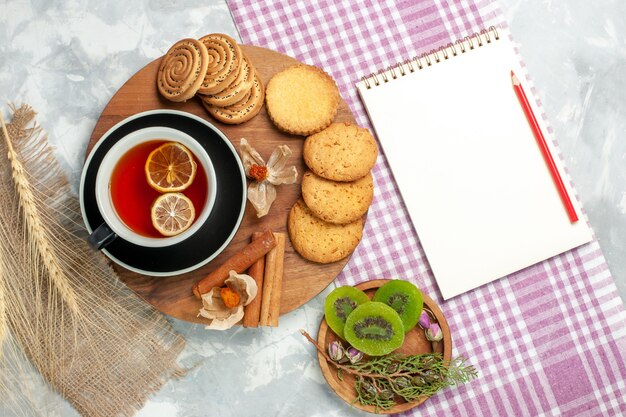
(403, 297)
(374, 328)
(339, 304)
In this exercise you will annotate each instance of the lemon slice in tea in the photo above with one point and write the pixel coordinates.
(170, 167)
(172, 213)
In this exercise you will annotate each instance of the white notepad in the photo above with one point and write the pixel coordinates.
(467, 164)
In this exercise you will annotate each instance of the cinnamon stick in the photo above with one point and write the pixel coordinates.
(239, 262)
(272, 283)
(252, 312)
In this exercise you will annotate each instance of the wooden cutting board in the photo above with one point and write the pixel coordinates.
(303, 279)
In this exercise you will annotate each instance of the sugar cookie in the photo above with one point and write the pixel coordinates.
(341, 152)
(337, 202)
(320, 241)
(302, 100)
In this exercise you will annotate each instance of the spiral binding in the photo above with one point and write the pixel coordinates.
(431, 58)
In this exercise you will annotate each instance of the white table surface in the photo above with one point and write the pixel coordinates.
(67, 58)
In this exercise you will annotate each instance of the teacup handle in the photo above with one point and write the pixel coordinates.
(101, 237)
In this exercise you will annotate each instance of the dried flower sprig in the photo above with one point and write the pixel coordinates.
(380, 381)
(432, 330)
(354, 355)
(336, 351)
(434, 333)
(424, 320)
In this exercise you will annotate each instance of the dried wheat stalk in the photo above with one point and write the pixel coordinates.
(88, 335)
(40, 237)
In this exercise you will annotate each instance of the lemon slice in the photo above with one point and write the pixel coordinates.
(170, 167)
(172, 213)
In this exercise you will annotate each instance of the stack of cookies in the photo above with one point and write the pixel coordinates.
(326, 224)
(215, 69)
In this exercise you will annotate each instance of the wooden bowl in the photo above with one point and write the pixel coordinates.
(415, 342)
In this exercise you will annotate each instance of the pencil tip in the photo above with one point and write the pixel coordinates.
(514, 78)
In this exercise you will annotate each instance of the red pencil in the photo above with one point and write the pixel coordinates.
(541, 141)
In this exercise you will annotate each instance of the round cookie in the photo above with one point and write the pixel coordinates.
(243, 110)
(341, 152)
(236, 91)
(320, 241)
(302, 100)
(182, 69)
(224, 56)
(337, 202)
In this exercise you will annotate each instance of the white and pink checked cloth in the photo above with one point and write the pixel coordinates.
(548, 340)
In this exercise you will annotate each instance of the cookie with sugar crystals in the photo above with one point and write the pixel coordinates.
(337, 202)
(320, 241)
(302, 99)
(341, 152)
(242, 111)
(182, 70)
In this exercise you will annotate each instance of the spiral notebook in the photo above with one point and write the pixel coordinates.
(467, 164)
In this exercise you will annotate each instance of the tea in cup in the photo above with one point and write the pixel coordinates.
(137, 191)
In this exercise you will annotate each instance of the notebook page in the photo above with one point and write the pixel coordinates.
(469, 169)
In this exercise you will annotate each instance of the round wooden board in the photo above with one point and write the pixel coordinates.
(302, 279)
(415, 342)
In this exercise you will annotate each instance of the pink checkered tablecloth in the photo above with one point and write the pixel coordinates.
(548, 340)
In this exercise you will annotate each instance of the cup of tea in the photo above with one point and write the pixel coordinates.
(125, 197)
